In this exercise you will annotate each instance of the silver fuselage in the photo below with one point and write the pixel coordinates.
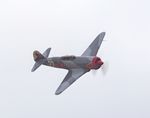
(78, 62)
(72, 63)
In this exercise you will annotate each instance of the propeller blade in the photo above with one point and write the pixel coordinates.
(104, 68)
(94, 72)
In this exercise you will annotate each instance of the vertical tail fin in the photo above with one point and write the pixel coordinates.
(37, 56)
(40, 58)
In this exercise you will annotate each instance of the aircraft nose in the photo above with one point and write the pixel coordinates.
(100, 62)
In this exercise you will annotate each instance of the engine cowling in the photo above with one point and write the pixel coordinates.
(95, 63)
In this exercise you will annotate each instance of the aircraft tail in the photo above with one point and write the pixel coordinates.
(40, 58)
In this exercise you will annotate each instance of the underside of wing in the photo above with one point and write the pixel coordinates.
(93, 48)
(70, 78)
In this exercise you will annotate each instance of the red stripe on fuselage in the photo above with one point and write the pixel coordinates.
(60, 65)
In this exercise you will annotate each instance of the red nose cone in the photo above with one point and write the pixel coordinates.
(95, 64)
(100, 63)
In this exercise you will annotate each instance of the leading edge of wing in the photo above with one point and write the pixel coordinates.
(70, 78)
(94, 46)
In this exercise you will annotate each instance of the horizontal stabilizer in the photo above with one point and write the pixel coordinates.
(40, 58)
(36, 65)
(46, 53)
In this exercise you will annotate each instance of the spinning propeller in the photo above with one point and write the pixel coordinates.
(104, 69)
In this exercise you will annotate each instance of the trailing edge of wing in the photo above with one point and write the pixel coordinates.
(70, 78)
(93, 48)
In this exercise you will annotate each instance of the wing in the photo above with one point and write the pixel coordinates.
(93, 48)
(70, 78)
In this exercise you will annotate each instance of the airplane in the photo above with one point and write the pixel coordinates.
(76, 65)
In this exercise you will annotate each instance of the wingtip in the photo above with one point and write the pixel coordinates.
(49, 48)
(57, 93)
(32, 70)
(103, 33)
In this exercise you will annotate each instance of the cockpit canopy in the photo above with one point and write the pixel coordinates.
(68, 57)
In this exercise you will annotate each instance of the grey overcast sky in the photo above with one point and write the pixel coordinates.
(69, 26)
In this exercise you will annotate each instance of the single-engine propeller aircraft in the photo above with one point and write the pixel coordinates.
(76, 65)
